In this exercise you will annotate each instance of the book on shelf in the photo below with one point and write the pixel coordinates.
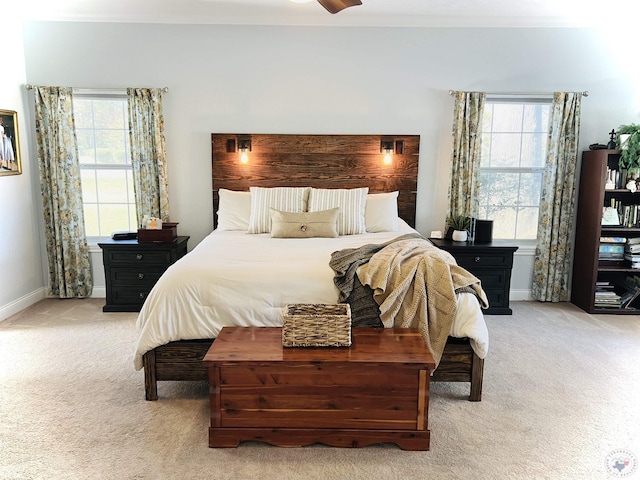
(609, 248)
(622, 214)
(632, 254)
(606, 296)
(614, 240)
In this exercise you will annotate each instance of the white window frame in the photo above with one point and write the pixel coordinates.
(516, 100)
(105, 95)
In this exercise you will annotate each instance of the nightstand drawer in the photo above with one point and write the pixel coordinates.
(127, 295)
(139, 257)
(469, 260)
(496, 299)
(135, 276)
(491, 278)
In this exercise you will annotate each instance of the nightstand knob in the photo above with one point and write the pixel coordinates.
(139, 256)
(141, 295)
(141, 276)
(476, 259)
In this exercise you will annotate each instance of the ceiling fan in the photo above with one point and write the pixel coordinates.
(334, 6)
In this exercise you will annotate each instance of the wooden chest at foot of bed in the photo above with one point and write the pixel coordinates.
(375, 391)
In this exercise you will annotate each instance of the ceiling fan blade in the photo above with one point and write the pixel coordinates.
(334, 6)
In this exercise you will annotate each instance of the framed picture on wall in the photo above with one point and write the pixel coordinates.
(10, 163)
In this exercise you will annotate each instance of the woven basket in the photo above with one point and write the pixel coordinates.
(316, 325)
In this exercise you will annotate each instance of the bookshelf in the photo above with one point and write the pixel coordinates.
(604, 277)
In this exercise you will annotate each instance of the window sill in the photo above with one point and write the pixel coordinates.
(92, 243)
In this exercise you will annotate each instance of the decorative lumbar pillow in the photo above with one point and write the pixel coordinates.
(234, 210)
(304, 225)
(381, 213)
(285, 199)
(352, 203)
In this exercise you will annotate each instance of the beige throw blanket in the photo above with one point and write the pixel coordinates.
(415, 283)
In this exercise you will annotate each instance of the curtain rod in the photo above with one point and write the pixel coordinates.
(31, 87)
(532, 94)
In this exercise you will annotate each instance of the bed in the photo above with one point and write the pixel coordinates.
(229, 279)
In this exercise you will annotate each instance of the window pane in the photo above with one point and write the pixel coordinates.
(86, 147)
(485, 150)
(110, 147)
(507, 117)
(534, 150)
(109, 114)
(89, 186)
(530, 189)
(113, 218)
(83, 113)
(112, 186)
(131, 196)
(505, 150)
(536, 118)
(527, 223)
(91, 224)
(503, 189)
(133, 219)
(504, 221)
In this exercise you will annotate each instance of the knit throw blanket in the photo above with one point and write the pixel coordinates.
(413, 282)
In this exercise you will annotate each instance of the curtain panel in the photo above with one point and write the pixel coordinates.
(554, 245)
(465, 155)
(66, 243)
(148, 152)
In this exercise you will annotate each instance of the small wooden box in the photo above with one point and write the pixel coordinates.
(168, 234)
(316, 325)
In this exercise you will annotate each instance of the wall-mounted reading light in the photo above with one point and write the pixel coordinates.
(244, 147)
(386, 147)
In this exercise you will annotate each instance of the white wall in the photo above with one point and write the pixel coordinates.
(260, 79)
(21, 276)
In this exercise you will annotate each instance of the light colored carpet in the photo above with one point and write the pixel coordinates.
(562, 391)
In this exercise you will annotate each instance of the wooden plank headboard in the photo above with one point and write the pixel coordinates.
(320, 161)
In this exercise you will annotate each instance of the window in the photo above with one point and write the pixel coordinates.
(102, 129)
(512, 161)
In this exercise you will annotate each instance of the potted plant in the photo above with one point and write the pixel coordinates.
(460, 225)
(628, 140)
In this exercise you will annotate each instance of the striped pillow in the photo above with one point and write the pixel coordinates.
(285, 199)
(352, 203)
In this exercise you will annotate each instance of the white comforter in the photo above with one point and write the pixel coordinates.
(234, 278)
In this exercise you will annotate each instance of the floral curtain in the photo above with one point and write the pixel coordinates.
(465, 155)
(553, 249)
(148, 153)
(67, 250)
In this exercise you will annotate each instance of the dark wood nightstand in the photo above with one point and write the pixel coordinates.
(491, 263)
(131, 269)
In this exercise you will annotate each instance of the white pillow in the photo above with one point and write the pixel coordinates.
(234, 210)
(285, 199)
(381, 214)
(352, 203)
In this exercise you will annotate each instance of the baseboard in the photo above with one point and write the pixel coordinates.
(21, 303)
(520, 296)
(99, 292)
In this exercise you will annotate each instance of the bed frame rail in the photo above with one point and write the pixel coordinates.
(182, 361)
